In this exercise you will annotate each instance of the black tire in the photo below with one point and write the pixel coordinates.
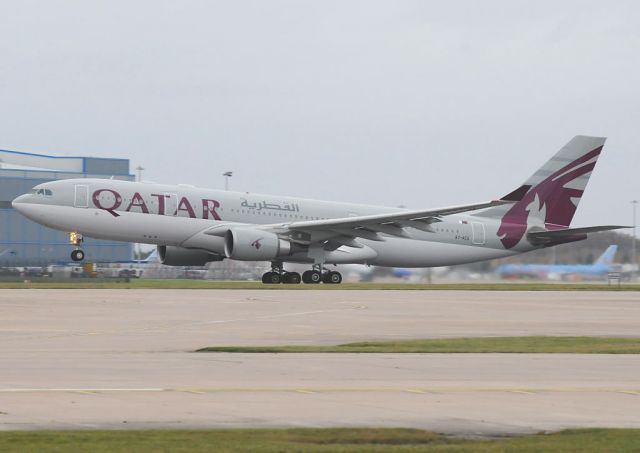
(293, 278)
(306, 277)
(275, 278)
(77, 255)
(332, 278)
(315, 277)
(266, 278)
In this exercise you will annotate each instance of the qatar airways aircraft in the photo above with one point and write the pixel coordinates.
(193, 226)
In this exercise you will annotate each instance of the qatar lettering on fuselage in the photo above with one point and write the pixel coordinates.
(111, 201)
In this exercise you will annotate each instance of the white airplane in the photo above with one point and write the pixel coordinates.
(193, 226)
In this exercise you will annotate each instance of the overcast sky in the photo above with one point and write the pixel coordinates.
(413, 103)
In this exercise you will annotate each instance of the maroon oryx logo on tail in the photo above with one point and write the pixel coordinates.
(550, 200)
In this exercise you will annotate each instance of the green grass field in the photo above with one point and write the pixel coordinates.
(211, 284)
(551, 345)
(311, 440)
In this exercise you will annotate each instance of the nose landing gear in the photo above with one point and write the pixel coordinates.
(77, 255)
(76, 240)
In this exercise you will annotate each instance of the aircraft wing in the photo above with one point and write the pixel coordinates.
(370, 226)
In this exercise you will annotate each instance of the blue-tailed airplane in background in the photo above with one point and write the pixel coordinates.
(602, 266)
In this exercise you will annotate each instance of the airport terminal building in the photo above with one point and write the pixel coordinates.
(25, 243)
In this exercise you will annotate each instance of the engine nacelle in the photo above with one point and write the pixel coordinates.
(248, 244)
(180, 256)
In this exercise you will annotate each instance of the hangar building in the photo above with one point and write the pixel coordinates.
(25, 243)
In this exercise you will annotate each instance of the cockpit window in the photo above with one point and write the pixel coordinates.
(44, 192)
(48, 193)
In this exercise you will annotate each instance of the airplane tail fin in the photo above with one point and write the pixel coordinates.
(152, 258)
(607, 257)
(549, 198)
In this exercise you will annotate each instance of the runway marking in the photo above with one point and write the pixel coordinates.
(80, 390)
(630, 392)
(420, 391)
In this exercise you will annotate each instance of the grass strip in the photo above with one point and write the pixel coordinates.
(212, 284)
(311, 440)
(539, 344)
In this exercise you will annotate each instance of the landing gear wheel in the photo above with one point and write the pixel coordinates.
(333, 278)
(271, 278)
(77, 255)
(291, 277)
(313, 277)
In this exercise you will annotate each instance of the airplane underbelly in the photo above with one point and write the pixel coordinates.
(412, 253)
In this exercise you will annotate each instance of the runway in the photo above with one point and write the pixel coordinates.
(122, 359)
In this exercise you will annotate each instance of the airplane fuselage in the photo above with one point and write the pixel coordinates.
(181, 216)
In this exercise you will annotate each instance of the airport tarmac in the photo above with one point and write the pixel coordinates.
(123, 359)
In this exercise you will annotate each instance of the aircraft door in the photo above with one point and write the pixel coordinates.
(81, 199)
(170, 204)
(477, 230)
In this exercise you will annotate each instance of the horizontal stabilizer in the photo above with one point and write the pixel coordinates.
(517, 194)
(553, 237)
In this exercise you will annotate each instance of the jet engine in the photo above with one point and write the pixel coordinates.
(249, 244)
(180, 256)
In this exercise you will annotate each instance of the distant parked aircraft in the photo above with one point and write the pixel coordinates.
(600, 268)
(153, 258)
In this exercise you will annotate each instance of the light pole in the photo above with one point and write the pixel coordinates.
(139, 168)
(633, 239)
(227, 175)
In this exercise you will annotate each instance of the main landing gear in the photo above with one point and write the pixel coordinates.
(76, 240)
(279, 275)
(314, 276)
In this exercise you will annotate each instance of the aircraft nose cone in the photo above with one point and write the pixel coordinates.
(19, 202)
